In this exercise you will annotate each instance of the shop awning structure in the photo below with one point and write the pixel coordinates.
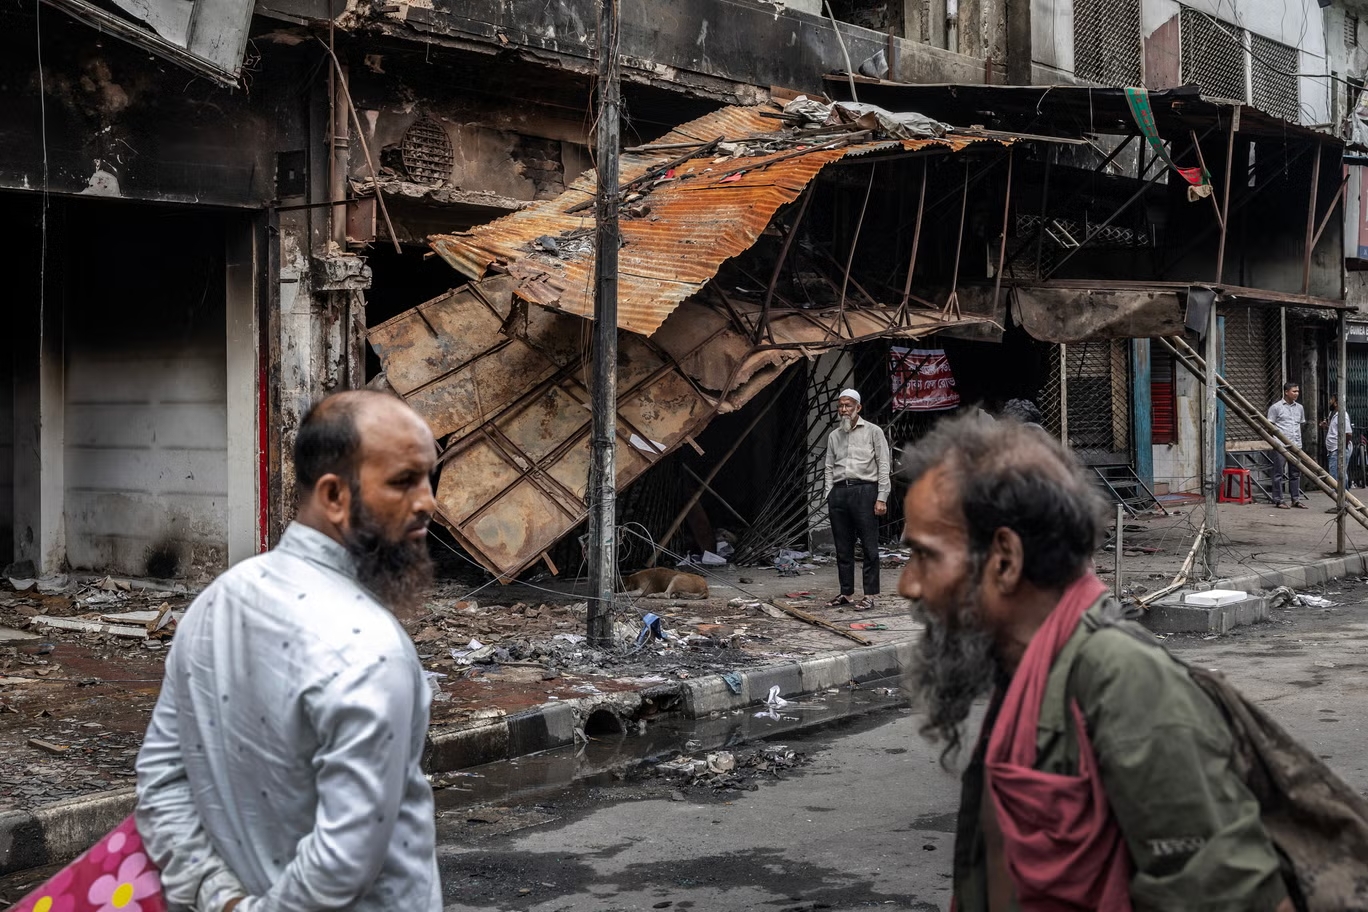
(698, 207)
(508, 385)
(501, 367)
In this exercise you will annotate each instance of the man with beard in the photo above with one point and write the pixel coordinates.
(1103, 776)
(281, 769)
(857, 487)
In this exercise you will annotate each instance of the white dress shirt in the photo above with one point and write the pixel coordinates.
(1288, 418)
(283, 758)
(1332, 434)
(859, 454)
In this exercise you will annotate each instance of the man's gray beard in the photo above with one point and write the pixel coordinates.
(398, 573)
(955, 666)
(847, 423)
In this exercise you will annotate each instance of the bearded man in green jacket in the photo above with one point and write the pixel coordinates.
(1001, 524)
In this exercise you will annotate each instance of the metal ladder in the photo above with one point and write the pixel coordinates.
(1187, 356)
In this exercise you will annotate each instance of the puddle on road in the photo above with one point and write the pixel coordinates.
(594, 763)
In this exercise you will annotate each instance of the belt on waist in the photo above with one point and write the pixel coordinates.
(849, 482)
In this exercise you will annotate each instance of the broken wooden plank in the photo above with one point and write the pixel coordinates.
(48, 746)
(815, 621)
(84, 626)
(130, 617)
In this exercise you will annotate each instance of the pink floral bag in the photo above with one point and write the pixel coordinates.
(115, 875)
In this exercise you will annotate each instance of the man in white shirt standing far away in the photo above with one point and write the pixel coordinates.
(1332, 441)
(281, 770)
(857, 487)
(1287, 416)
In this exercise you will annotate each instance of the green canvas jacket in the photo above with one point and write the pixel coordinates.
(1164, 752)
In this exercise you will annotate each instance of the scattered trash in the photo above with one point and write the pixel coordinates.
(475, 652)
(868, 625)
(733, 681)
(721, 762)
(1324, 664)
(651, 628)
(1284, 596)
(772, 703)
(433, 679)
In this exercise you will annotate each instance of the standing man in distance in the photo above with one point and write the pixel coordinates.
(1332, 440)
(1103, 776)
(1288, 416)
(857, 488)
(281, 769)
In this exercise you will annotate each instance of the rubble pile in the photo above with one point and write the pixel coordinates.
(719, 771)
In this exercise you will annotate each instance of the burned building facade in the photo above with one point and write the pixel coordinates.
(212, 234)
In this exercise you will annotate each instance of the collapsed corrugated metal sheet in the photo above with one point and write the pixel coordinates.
(509, 384)
(697, 220)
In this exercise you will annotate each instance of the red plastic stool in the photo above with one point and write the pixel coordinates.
(1242, 481)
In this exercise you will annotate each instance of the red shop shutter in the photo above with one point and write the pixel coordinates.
(1164, 424)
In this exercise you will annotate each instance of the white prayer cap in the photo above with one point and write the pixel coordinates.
(850, 394)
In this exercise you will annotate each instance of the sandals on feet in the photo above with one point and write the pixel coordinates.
(1297, 504)
(865, 603)
(839, 601)
(1282, 506)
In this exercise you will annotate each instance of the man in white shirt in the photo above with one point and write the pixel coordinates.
(1332, 440)
(1288, 417)
(281, 769)
(857, 488)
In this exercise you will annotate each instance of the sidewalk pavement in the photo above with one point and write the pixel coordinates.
(73, 706)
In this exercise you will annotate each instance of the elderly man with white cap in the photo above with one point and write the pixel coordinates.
(857, 489)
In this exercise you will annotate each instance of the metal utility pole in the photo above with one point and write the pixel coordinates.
(1214, 461)
(603, 442)
(1342, 423)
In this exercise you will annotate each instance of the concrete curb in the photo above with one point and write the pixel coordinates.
(1312, 574)
(59, 832)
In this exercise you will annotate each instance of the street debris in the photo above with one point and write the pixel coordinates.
(1285, 596)
(722, 770)
(47, 746)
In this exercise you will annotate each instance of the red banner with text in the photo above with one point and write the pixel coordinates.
(922, 381)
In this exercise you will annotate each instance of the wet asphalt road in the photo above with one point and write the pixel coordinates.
(868, 822)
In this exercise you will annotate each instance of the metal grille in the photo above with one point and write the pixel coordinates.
(1213, 55)
(1272, 77)
(1350, 31)
(1253, 360)
(426, 150)
(1063, 235)
(1096, 382)
(1107, 41)
(1355, 399)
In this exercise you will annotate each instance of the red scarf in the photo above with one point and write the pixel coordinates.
(1063, 848)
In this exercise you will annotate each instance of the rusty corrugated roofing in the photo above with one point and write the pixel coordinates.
(695, 223)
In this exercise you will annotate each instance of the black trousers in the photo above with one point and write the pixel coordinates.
(852, 516)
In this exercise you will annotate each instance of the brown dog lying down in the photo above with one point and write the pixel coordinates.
(666, 582)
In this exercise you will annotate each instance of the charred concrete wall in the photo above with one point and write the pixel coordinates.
(6, 452)
(145, 395)
(104, 118)
(732, 51)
